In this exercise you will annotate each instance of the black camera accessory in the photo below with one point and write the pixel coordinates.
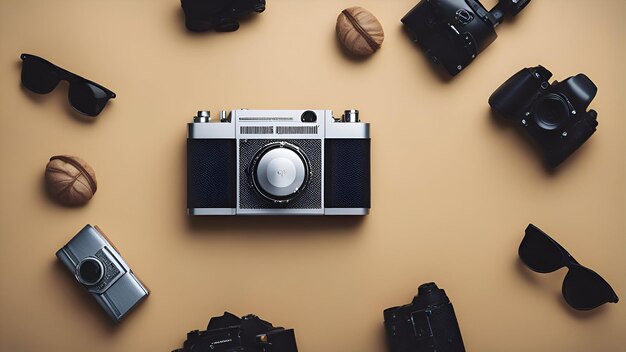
(583, 288)
(428, 324)
(554, 115)
(229, 333)
(220, 15)
(454, 32)
(85, 96)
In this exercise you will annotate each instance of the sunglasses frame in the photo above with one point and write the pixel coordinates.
(568, 261)
(71, 78)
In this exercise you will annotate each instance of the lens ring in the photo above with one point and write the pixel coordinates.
(291, 176)
(89, 271)
(551, 111)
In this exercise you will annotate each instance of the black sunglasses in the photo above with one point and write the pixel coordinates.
(583, 288)
(41, 76)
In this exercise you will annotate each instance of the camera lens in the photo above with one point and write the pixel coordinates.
(281, 172)
(308, 116)
(551, 111)
(90, 271)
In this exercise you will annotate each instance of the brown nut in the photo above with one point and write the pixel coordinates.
(70, 180)
(359, 31)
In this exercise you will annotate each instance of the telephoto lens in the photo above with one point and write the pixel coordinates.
(428, 324)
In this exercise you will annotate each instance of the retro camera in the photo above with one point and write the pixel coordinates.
(278, 162)
(454, 32)
(554, 115)
(229, 333)
(219, 15)
(98, 266)
(428, 324)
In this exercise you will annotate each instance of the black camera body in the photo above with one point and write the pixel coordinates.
(428, 324)
(454, 32)
(554, 115)
(220, 15)
(229, 333)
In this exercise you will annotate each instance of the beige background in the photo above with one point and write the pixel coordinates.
(452, 190)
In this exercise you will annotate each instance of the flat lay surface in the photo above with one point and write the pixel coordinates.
(453, 188)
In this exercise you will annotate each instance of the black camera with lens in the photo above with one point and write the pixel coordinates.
(454, 32)
(428, 324)
(220, 15)
(230, 333)
(554, 115)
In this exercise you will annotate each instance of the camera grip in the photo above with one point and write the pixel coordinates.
(517, 91)
(347, 178)
(577, 135)
(211, 173)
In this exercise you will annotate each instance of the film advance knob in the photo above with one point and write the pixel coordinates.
(202, 116)
(351, 116)
(280, 174)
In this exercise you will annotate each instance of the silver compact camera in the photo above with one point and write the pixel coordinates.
(98, 266)
(278, 162)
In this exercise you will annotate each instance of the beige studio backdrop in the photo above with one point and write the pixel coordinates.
(452, 189)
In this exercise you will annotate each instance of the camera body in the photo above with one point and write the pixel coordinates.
(428, 324)
(554, 115)
(454, 32)
(220, 15)
(229, 333)
(278, 162)
(98, 266)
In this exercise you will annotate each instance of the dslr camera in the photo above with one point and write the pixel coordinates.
(278, 162)
(554, 115)
(229, 333)
(220, 15)
(98, 266)
(454, 32)
(428, 324)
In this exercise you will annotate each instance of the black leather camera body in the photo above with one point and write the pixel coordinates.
(428, 324)
(230, 333)
(554, 115)
(220, 15)
(454, 32)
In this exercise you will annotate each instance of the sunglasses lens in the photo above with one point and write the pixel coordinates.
(584, 289)
(539, 252)
(38, 76)
(87, 98)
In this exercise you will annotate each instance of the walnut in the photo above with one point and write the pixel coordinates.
(70, 180)
(359, 31)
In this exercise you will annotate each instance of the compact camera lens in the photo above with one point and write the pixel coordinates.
(281, 172)
(308, 116)
(90, 271)
(551, 111)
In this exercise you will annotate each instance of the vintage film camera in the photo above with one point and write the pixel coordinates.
(454, 32)
(428, 324)
(98, 266)
(219, 15)
(229, 333)
(278, 162)
(554, 115)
